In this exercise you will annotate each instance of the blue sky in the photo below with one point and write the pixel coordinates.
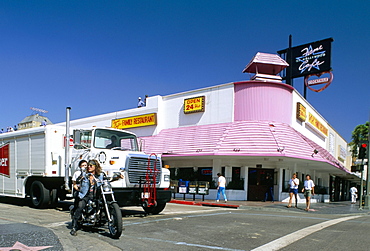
(99, 56)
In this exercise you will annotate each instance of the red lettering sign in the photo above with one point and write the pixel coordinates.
(192, 105)
(4, 160)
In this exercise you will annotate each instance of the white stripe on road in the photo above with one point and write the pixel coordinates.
(293, 237)
(185, 243)
(56, 224)
(172, 218)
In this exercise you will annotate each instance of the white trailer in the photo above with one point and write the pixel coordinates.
(32, 165)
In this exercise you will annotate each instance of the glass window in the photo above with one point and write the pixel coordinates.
(111, 139)
(85, 140)
(235, 176)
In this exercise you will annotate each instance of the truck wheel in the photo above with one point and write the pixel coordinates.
(115, 226)
(53, 197)
(155, 210)
(40, 196)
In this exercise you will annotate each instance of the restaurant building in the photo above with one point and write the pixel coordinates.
(245, 130)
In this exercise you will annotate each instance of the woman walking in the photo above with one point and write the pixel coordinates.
(293, 190)
(308, 190)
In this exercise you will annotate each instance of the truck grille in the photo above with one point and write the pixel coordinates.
(138, 168)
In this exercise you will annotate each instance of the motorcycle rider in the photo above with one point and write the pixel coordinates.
(91, 180)
(76, 180)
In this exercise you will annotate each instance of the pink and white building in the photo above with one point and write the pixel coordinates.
(245, 130)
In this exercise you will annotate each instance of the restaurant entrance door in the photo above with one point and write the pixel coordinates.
(257, 184)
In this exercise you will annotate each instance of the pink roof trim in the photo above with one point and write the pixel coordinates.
(241, 138)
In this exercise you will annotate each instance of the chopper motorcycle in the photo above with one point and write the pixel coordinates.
(101, 210)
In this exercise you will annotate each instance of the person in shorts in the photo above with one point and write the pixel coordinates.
(308, 191)
(293, 190)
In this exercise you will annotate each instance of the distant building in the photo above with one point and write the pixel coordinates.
(34, 120)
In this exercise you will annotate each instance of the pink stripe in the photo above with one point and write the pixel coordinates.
(241, 138)
(264, 101)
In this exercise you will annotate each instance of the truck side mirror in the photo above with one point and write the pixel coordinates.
(141, 143)
(77, 137)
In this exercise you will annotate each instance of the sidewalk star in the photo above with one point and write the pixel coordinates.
(21, 247)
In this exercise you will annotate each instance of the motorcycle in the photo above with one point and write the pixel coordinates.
(101, 210)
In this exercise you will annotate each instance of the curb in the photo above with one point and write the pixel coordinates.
(202, 203)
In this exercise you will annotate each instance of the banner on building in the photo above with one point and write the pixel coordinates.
(135, 121)
(317, 124)
(301, 112)
(196, 104)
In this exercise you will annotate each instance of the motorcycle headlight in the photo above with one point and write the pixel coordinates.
(106, 186)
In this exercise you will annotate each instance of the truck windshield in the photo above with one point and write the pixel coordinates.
(109, 139)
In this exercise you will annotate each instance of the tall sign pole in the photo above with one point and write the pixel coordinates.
(288, 78)
(361, 186)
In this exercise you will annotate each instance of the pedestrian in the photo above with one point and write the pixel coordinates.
(293, 190)
(353, 191)
(221, 185)
(270, 187)
(309, 190)
(140, 102)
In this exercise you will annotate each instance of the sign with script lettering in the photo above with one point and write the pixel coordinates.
(311, 58)
(192, 105)
(4, 160)
(135, 121)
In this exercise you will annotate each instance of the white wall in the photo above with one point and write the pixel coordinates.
(219, 107)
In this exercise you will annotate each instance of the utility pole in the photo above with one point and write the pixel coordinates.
(362, 185)
(367, 196)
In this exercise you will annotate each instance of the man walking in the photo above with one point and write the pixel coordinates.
(353, 191)
(221, 185)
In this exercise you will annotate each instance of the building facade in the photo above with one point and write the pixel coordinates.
(246, 130)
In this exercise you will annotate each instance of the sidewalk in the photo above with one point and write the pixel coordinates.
(341, 207)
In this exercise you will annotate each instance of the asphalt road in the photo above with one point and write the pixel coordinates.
(184, 227)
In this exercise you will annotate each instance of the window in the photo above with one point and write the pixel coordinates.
(85, 139)
(205, 174)
(109, 139)
(235, 176)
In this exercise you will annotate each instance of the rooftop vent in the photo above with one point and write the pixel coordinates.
(266, 67)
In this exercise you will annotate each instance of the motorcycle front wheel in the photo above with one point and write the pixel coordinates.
(115, 225)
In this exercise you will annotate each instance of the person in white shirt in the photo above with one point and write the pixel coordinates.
(293, 189)
(76, 178)
(353, 191)
(221, 187)
(309, 189)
